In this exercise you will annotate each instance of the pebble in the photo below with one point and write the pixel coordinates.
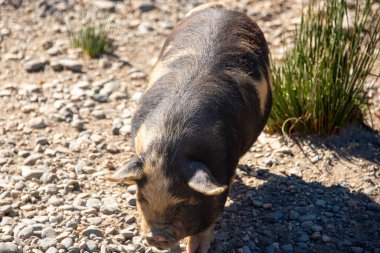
(92, 230)
(93, 203)
(132, 189)
(320, 202)
(91, 246)
(303, 238)
(37, 123)
(55, 201)
(70, 64)
(46, 243)
(34, 65)
(48, 232)
(357, 250)
(109, 205)
(32, 159)
(131, 200)
(104, 5)
(52, 250)
(28, 173)
(287, 248)
(8, 247)
(146, 6)
(67, 242)
(25, 233)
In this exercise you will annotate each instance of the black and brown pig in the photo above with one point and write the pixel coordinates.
(208, 99)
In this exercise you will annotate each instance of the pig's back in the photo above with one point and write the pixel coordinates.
(213, 73)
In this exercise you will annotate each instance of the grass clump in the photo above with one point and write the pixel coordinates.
(319, 87)
(92, 37)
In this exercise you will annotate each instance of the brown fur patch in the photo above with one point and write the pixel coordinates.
(144, 137)
(156, 190)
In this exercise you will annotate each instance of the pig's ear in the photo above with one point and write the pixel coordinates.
(129, 173)
(200, 179)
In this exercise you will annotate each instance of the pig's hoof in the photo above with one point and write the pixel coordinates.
(200, 243)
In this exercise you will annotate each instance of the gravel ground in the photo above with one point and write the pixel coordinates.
(65, 124)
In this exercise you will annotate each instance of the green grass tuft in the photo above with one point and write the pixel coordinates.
(92, 38)
(319, 86)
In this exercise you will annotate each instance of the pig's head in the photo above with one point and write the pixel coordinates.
(174, 199)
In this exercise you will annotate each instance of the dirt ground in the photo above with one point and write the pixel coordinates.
(62, 131)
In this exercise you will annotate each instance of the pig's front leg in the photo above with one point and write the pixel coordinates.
(200, 243)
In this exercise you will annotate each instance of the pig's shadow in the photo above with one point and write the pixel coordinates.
(304, 217)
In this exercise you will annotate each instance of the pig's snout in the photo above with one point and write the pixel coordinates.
(160, 239)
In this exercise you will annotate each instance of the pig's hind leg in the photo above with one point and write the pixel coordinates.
(200, 243)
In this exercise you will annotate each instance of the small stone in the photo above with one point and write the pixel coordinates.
(131, 200)
(48, 232)
(267, 206)
(56, 65)
(257, 203)
(37, 123)
(320, 202)
(303, 238)
(109, 87)
(34, 65)
(315, 236)
(45, 244)
(29, 173)
(32, 159)
(146, 6)
(92, 230)
(77, 123)
(47, 44)
(273, 248)
(246, 249)
(91, 246)
(67, 242)
(357, 250)
(101, 98)
(109, 206)
(8, 247)
(72, 65)
(104, 5)
(287, 248)
(55, 201)
(132, 189)
(99, 114)
(93, 203)
(315, 159)
(25, 233)
(127, 233)
(326, 238)
(52, 250)
(293, 215)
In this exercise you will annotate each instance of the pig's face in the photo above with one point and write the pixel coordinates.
(176, 203)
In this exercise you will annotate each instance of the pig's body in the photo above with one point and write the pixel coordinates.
(208, 99)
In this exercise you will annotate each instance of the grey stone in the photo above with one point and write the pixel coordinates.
(37, 123)
(246, 249)
(8, 247)
(101, 98)
(25, 233)
(6, 209)
(131, 200)
(67, 242)
(146, 6)
(29, 173)
(273, 248)
(132, 189)
(293, 215)
(127, 233)
(7, 221)
(52, 250)
(55, 201)
(48, 232)
(72, 65)
(357, 250)
(104, 5)
(303, 238)
(287, 248)
(42, 141)
(109, 205)
(320, 202)
(6, 238)
(109, 87)
(93, 203)
(34, 65)
(92, 230)
(99, 114)
(95, 220)
(91, 246)
(32, 159)
(45, 244)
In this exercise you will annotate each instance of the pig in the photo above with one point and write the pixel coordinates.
(208, 98)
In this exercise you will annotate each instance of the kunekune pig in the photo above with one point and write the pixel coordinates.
(208, 99)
